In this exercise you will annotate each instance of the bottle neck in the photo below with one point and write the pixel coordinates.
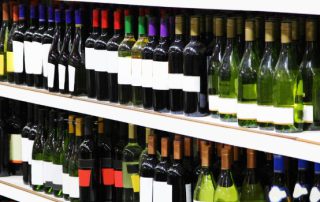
(21, 21)
(78, 141)
(179, 37)
(249, 44)
(95, 29)
(230, 41)
(195, 38)
(33, 22)
(42, 23)
(51, 24)
(310, 45)
(118, 31)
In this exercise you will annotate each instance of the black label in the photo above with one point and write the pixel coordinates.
(117, 164)
(106, 162)
(86, 163)
(133, 168)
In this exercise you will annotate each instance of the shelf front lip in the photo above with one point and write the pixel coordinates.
(307, 7)
(204, 128)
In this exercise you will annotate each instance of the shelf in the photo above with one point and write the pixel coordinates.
(305, 145)
(299, 7)
(12, 187)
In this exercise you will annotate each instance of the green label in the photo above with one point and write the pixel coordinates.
(249, 91)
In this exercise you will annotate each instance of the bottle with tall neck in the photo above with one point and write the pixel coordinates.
(315, 190)
(130, 167)
(18, 50)
(228, 76)
(188, 165)
(237, 167)
(214, 66)
(29, 48)
(4, 33)
(160, 96)
(302, 187)
(240, 35)
(76, 66)
(31, 138)
(287, 87)
(101, 53)
(112, 51)
(46, 44)
(90, 54)
(195, 73)
(265, 77)
(124, 62)
(297, 48)
(247, 80)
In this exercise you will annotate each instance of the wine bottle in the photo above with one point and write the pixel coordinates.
(297, 48)
(88, 173)
(208, 36)
(195, 75)
(37, 44)
(64, 54)
(287, 87)
(302, 187)
(130, 167)
(146, 64)
(147, 170)
(217, 162)
(124, 62)
(266, 173)
(4, 138)
(74, 190)
(29, 49)
(46, 44)
(17, 45)
(4, 32)
(54, 53)
(9, 55)
(37, 168)
(251, 188)
(188, 166)
(160, 96)
(237, 168)
(90, 54)
(206, 185)
(214, 65)
(247, 80)
(279, 190)
(160, 185)
(309, 69)
(226, 189)
(315, 190)
(31, 138)
(112, 51)
(265, 78)
(101, 53)
(175, 61)
(76, 66)
(136, 62)
(240, 35)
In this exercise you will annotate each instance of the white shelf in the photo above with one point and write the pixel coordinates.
(12, 187)
(295, 6)
(304, 145)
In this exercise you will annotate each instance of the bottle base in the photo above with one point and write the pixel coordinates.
(247, 123)
(288, 128)
(228, 117)
(196, 114)
(214, 114)
(265, 126)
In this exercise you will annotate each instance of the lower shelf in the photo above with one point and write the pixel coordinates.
(13, 187)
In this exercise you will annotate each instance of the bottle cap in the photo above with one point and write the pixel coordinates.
(239, 24)
(100, 126)
(71, 124)
(104, 19)
(142, 25)
(132, 131)
(32, 12)
(251, 159)
(79, 126)
(311, 29)
(148, 132)
(68, 16)
(179, 21)
(294, 29)
(302, 164)
(117, 19)
(194, 25)
(152, 144)
(42, 15)
(177, 150)
(95, 18)
(15, 13)
(205, 155)
(57, 15)
(50, 14)
(208, 23)
(187, 146)
(78, 19)
(164, 146)
(269, 31)
(5, 13)
(88, 121)
(219, 27)
(317, 168)
(164, 27)
(225, 159)
(21, 12)
(278, 163)
(286, 32)
(249, 30)
(230, 28)
(152, 31)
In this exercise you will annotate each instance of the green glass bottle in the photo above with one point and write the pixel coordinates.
(226, 189)
(228, 76)
(251, 188)
(214, 64)
(265, 78)
(130, 167)
(206, 185)
(247, 83)
(136, 62)
(287, 87)
(4, 33)
(309, 68)
(124, 62)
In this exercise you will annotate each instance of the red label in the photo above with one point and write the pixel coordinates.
(118, 179)
(84, 178)
(108, 176)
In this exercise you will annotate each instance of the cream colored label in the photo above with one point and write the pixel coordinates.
(308, 113)
(283, 115)
(124, 70)
(51, 74)
(45, 55)
(89, 58)
(276, 195)
(246, 111)
(62, 76)
(72, 75)
(146, 185)
(146, 73)
(191, 84)
(175, 81)
(265, 114)
(136, 65)
(112, 60)
(74, 187)
(15, 148)
(227, 105)
(37, 61)
(100, 60)
(314, 195)
(214, 102)
(160, 75)
(18, 56)
(65, 187)
(299, 191)
(37, 172)
(162, 192)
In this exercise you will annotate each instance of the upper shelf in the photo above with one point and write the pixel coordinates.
(299, 7)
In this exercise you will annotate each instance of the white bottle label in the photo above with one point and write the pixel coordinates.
(28, 56)
(191, 84)
(136, 65)
(146, 73)
(160, 75)
(246, 111)
(50, 71)
(30, 147)
(17, 56)
(276, 195)
(100, 60)
(146, 184)
(265, 114)
(89, 58)
(62, 76)
(308, 113)
(15, 148)
(37, 58)
(112, 60)
(124, 71)
(314, 195)
(57, 173)
(37, 172)
(175, 81)
(24, 149)
(188, 193)
(74, 187)
(72, 75)
(283, 115)
(299, 191)
(45, 55)
(47, 169)
(162, 192)
(227, 105)
(65, 178)
(213, 102)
